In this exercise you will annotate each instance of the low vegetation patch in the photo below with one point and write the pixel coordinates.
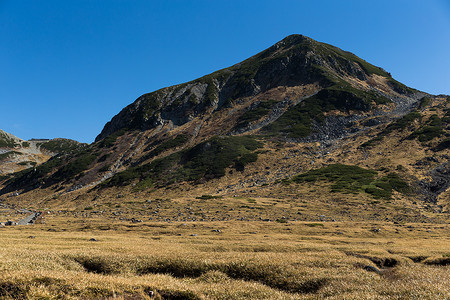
(62, 146)
(398, 125)
(445, 144)
(204, 161)
(74, 167)
(175, 142)
(6, 141)
(353, 179)
(26, 163)
(432, 129)
(296, 122)
(424, 102)
(254, 113)
(9, 154)
(111, 139)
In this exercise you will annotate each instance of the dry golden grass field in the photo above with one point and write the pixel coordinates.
(56, 259)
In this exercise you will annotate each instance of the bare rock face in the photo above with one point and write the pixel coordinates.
(440, 182)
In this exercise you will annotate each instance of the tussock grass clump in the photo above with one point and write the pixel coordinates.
(208, 197)
(99, 265)
(305, 262)
(437, 261)
(13, 290)
(285, 278)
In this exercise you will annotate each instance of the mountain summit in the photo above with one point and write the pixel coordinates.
(296, 115)
(296, 61)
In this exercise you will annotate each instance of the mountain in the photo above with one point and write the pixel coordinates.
(17, 154)
(299, 120)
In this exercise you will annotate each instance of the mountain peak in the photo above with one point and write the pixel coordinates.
(294, 61)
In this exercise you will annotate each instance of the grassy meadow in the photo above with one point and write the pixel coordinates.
(65, 257)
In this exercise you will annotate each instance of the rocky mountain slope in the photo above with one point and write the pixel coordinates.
(17, 154)
(302, 119)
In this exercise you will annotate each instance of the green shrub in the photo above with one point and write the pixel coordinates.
(424, 102)
(445, 144)
(255, 113)
(104, 168)
(353, 179)
(403, 122)
(296, 121)
(178, 141)
(74, 167)
(26, 163)
(62, 146)
(427, 133)
(346, 178)
(372, 142)
(206, 160)
(111, 139)
(399, 124)
(9, 154)
(431, 130)
(6, 142)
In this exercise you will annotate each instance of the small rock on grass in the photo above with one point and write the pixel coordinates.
(372, 269)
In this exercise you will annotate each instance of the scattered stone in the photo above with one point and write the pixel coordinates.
(31, 237)
(193, 234)
(372, 269)
(92, 240)
(375, 230)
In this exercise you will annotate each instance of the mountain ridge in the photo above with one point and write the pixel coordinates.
(17, 154)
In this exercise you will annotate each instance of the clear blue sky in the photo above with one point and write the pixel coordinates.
(68, 66)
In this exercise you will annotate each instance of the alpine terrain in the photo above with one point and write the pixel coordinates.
(303, 138)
